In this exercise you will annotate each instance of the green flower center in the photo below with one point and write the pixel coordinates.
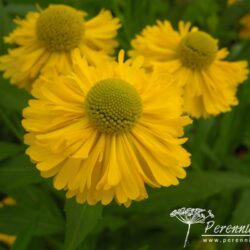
(197, 50)
(60, 28)
(113, 106)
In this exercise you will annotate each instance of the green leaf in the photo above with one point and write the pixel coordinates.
(241, 215)
(8, 149)
(16, 219)
(112, 222)
(80, 221)
(17, 172)
(30, 200)
(6, 25)
(38, 243)
(13, 98)
(198, 140)
(32, 196)
(12, 122)
(24, 238)
(196, 187)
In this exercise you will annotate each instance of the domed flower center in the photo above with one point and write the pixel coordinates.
(113, 106)
(60, 28)
(197, 50)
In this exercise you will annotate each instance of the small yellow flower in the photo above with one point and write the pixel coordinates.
(46, 39)
(245, 30)
(192, 56)
(6, 238)
(230, 2)
(103, 132)
(7, 201)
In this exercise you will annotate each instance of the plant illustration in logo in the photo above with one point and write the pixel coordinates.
(191, 216)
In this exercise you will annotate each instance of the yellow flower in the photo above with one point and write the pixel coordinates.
(245, 30)
(6, 238)
(192, 56)
(230, 2)
(104, 132)
(7, 201)
(46, 39)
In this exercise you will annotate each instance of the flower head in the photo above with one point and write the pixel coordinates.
(105, 132)
(193, 57)
(60, 28)
(47, 39)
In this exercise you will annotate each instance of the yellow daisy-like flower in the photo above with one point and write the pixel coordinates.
(104, 132)
(46, 39)
(192, 56)
(245, 30)
(6, 238)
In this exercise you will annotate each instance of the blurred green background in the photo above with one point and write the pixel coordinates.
(219, 178)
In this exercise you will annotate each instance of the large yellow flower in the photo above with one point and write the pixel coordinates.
(245, 30)
(104, 132)
(46, 39)
(192, 56)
